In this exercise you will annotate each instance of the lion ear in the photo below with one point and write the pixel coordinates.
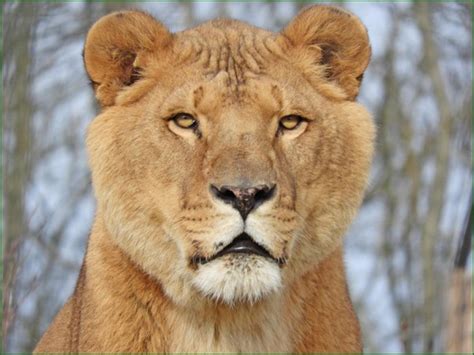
(335, 39)
(116, 48)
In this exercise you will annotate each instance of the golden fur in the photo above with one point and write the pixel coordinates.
(139, 289)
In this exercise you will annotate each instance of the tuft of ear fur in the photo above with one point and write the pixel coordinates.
(116, 49)
(337, 40)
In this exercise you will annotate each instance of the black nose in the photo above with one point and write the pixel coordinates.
(244, 199)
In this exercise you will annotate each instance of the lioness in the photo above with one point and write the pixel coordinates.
(227, 162)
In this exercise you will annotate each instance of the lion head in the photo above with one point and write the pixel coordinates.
(228, 160)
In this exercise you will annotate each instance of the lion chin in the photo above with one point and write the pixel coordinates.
(238, 278)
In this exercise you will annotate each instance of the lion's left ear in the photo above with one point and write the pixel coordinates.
(336, 39)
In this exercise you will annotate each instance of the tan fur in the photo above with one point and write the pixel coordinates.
(138, 290)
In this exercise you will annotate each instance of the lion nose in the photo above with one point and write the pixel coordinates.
(244, 199)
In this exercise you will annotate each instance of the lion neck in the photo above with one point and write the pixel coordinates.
(315, 312)
(118, 283)
(257, 328)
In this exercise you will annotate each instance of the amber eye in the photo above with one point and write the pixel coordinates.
(184, 120)
(290, 122)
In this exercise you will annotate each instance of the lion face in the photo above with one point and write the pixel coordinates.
(228, 160)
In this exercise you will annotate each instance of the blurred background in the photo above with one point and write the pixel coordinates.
(408, 252)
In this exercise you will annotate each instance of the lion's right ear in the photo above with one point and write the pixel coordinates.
(116, 49)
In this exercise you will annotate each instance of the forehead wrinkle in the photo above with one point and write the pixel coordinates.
(224, 56)
(232, 51)
(252, 52)
(214, 59)
(226, 49)
(204, 56)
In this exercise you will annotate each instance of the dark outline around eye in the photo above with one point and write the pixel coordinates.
(283, 128)
(175, 117)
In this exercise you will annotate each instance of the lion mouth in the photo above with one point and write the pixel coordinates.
(243, 243)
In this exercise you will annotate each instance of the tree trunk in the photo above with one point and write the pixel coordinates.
(20, 23)
(430, 230)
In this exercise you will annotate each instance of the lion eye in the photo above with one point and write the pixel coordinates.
(290, 122)
(184, 120)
